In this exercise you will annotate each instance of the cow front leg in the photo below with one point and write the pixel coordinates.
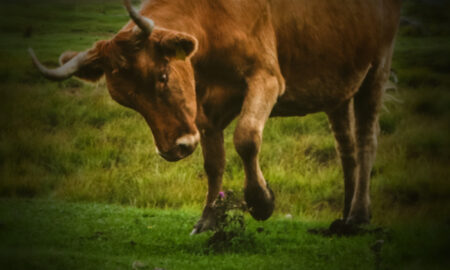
(214, 163)
(263, 91)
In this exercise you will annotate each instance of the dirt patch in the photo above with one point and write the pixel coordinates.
(340, 228)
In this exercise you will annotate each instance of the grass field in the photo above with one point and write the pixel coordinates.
(70, 156)
(41, 234)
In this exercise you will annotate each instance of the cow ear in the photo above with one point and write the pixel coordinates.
(178, 45)
(91, 70)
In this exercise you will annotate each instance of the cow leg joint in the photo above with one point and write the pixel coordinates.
(258, 196)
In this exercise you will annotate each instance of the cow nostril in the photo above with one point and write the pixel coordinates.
(187, 143)
(185, 148)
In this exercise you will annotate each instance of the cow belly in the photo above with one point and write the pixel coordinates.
(323, 92)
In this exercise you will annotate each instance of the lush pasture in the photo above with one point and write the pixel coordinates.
(70, 142)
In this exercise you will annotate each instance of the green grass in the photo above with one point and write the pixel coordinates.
(69, 142)
(43, 234)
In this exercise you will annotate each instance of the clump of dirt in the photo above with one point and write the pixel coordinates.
(230, 226)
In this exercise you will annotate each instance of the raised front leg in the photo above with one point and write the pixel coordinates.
(262, 94)
(214, 163)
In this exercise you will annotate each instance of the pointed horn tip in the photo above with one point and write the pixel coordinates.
(128, 6)
(145, 24)
(31, 52)
(57, 74)
(33, 57)
(151, 22)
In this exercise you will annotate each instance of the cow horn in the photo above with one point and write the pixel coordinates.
(145, 24)
(63, 72)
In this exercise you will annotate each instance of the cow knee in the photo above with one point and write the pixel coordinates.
(247, 141)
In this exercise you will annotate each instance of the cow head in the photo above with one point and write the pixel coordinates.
(147, 69)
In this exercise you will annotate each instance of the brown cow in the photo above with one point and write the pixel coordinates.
(192, 66)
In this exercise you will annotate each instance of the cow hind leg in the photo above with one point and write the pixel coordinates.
(366, 105)
(262, 94)
(343, 126)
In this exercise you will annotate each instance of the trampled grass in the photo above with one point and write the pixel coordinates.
(69, 141)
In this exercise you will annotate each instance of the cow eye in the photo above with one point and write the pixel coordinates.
(163, 78)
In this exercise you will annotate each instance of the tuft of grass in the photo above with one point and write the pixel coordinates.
(229, 232)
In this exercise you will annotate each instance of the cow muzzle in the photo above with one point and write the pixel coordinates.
(184, 146)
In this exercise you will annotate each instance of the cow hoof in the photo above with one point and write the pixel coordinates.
(358, 218)
(341, 227)
(206, 223)
(259, 205)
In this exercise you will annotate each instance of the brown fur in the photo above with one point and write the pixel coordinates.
(252, 60)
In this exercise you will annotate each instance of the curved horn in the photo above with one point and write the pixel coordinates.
(145, 24)
(63, 72)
